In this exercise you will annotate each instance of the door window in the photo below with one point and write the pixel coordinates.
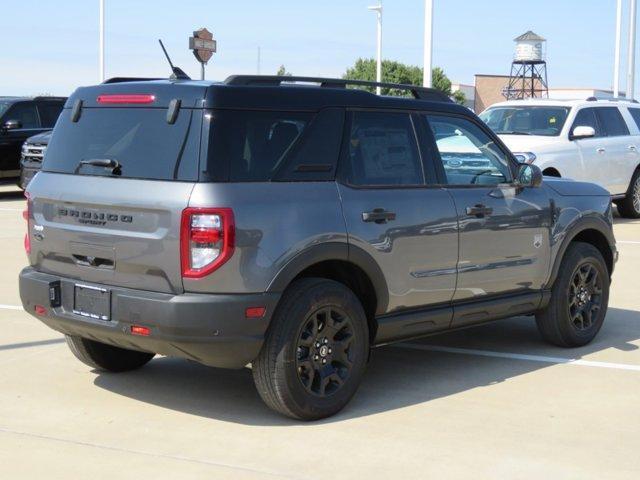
(469, 156)
(382, 151)
(25, 113)
(611, 122)
(49, 113)
(587, 118)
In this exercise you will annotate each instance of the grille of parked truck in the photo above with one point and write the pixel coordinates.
(295, 223)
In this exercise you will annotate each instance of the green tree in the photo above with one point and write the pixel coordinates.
(396, 72)
(282, 72)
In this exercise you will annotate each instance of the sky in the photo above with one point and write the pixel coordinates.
(51, 46)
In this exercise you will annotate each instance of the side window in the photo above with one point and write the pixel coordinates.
(468, 154)
(49, 113)
(635, 113)
(25, 113)
(382, 150)
(611, 122)
(586, 118)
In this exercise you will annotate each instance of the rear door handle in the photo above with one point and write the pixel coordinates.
(600, 150)
(378, 215)
(479, 211)
(632, 148)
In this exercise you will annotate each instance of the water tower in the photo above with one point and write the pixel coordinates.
(528, 77)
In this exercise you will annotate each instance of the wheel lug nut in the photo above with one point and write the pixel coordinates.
(316, 357)
(326, 341)
(324, 360)
(317, 344)
(329, 350)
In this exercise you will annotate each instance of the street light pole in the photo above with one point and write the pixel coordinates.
(631, 61)
(378, 10)
(616, 60)
(101, 37)
(428, 43)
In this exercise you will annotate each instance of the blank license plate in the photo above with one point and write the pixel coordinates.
(92, 302)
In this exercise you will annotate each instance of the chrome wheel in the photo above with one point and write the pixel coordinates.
(636, 195)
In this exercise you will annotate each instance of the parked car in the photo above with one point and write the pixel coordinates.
(589, 140)
(293, 228)
(21, 118)
(33, 150)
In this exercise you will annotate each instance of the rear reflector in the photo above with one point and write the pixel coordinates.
(126, 98)
(140, 330)
(40, 310)
(255, 312)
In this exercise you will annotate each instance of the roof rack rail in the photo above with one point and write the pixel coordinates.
(49, 97)
(129, 79)
(628, 100)
(421, 93)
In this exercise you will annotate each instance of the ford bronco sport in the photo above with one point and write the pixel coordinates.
(293, 224)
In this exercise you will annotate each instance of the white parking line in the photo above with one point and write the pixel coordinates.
(11, 307)
(2, 209)
(628, 242)
(518, 356)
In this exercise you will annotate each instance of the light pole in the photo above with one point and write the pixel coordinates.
(616, 60)
(428, 43)
(378, 10)
(101, 41)
(631, 61)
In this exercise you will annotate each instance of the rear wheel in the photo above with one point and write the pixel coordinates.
(629, 206)
(106, 357)
(315, 353)
(579, 298)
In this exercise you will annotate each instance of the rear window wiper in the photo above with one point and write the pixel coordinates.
(114, 165)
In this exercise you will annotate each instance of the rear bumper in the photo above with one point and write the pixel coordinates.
(210, 329)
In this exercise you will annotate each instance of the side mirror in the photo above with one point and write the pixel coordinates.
(582, 131)
(12, 125)
(529, 175)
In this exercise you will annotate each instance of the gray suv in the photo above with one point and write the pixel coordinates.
(293, 224)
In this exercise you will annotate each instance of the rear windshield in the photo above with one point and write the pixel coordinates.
(526, 120)
(139, 139)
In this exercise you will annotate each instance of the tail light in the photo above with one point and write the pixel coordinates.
(207, 240)
(26, 214)
(126, 98)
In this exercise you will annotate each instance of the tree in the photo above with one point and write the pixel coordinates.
(282, 72)
(396, 72)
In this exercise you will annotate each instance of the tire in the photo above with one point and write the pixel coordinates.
(629, 206)
(317, 321)
(579, 298)
(106, 357)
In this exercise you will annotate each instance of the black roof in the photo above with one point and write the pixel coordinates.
(267, 92)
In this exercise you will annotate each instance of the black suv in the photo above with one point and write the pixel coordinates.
(293, 227)
(20, 118)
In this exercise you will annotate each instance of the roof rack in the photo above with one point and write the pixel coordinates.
(627, 100)
(421, 93)
(129, 79)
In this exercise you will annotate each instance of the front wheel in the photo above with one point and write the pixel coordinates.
(579, 298)
(315, 352)
(629, 206)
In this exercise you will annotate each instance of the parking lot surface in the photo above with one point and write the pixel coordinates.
(492, 401)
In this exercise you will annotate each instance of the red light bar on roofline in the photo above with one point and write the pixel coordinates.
(126, 98)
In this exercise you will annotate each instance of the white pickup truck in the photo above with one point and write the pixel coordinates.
(590, 140)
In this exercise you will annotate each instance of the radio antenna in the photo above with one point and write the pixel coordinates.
(178, 73)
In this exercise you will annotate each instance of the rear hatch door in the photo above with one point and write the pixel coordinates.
(118, 224)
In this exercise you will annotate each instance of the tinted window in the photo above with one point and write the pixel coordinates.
(586, 118)
(635, 113)
(25, 113)
(611, 122)
(469, 156)
(545, 121)
(382, 150)
(49, 113)
(140, 139)
(252, 145)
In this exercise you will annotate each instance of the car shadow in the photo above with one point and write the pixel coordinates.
(396, 377)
